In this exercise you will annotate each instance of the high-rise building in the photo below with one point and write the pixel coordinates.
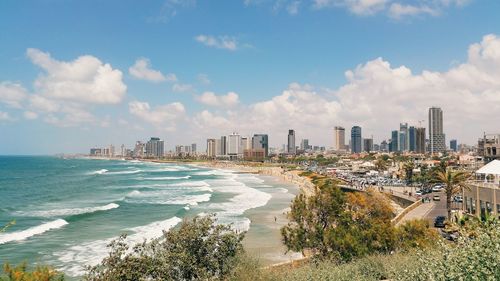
(155, 147)
(394, 141)
(211, 148)
(368, 145)
(403, 137)
(304, 144)
(139, 149)
(218, 148)
(193, 148)
(437, 139)
(383, 146)
(261, 141)
(412, 139)
(420, 140)
(339, 138)
(356, 139)
(234, 146)
(246, 143)
(223, 145)
(291, 149)
(453, 145)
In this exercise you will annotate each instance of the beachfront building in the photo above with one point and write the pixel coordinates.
(261, 141)
(211, 148)
(484, 194)
(223, 146)
(234, 150)
(437, 139)
(155, 147)
(291, 149)
(356, 139)
(339, 138)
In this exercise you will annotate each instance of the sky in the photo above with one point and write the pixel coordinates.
(79, 74)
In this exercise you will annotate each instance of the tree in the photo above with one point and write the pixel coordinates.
(415, 233)
(20, 273)
(408, 167)
(381, 164)
(331, 224)
(453, 181)
(199, 250)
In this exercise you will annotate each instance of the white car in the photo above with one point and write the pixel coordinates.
(437, 188)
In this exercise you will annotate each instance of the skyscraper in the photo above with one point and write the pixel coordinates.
(412, 139)
(155, 147)
(403, 137)
(304, 144)
(234, 146)
(339, 138)
(394, 141)
(368, 145)
(211, 148)
(437, 139)
(261, 141)
(420, 140)
(453, 145)
(356, 139)
(223, 145)
(291, 149)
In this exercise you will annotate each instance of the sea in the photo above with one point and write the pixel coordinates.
(67, 211)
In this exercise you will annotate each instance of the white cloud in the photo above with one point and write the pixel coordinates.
(399, 11)
(83, 80)
(220, 42)
(12, 94)
(142, 70)
(293, 7)
(171, 8)
(4, 116)
(359, 7)
(209, 98)
(164, 116)
(182, 88)
(30, 115)
(43, 104)
(203, 79)
(376, 96)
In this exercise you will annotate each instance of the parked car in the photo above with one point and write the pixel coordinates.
(458, 198)
(419, 192)
(436, 198)
(439, 221)
(437, 188)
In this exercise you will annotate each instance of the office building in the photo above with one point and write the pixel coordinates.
(193, 148)
(368, 145)
(291, 149)
(420, 140)
(304, 144)
(412, 139)
(453, 145)
(437, 139)
(403, 137)
(261, 141)
(139, 149)
(384, 147)
(155, 147)
(356, 139)
(246, 143)
(394, 141)
(339, 138)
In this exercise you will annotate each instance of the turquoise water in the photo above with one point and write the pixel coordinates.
(68, 210)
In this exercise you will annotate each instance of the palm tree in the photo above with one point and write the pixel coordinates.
(381, 164)
(408, 167)
(453, 181)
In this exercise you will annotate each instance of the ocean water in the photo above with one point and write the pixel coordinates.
(68, 210)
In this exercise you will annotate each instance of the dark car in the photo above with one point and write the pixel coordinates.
(439, 221)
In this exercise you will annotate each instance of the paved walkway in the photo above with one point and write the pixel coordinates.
(420, 212)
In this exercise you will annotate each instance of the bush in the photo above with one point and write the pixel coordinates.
(198, 250)
(20, 273)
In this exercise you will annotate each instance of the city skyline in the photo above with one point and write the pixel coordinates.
(94, 84)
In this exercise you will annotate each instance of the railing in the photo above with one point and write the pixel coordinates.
(482, 183)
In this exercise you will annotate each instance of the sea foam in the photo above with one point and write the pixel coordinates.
(30, 232)
(69, 211)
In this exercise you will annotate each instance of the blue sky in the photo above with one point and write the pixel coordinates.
(271, 55)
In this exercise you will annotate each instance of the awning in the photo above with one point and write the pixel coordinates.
(492, 168)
